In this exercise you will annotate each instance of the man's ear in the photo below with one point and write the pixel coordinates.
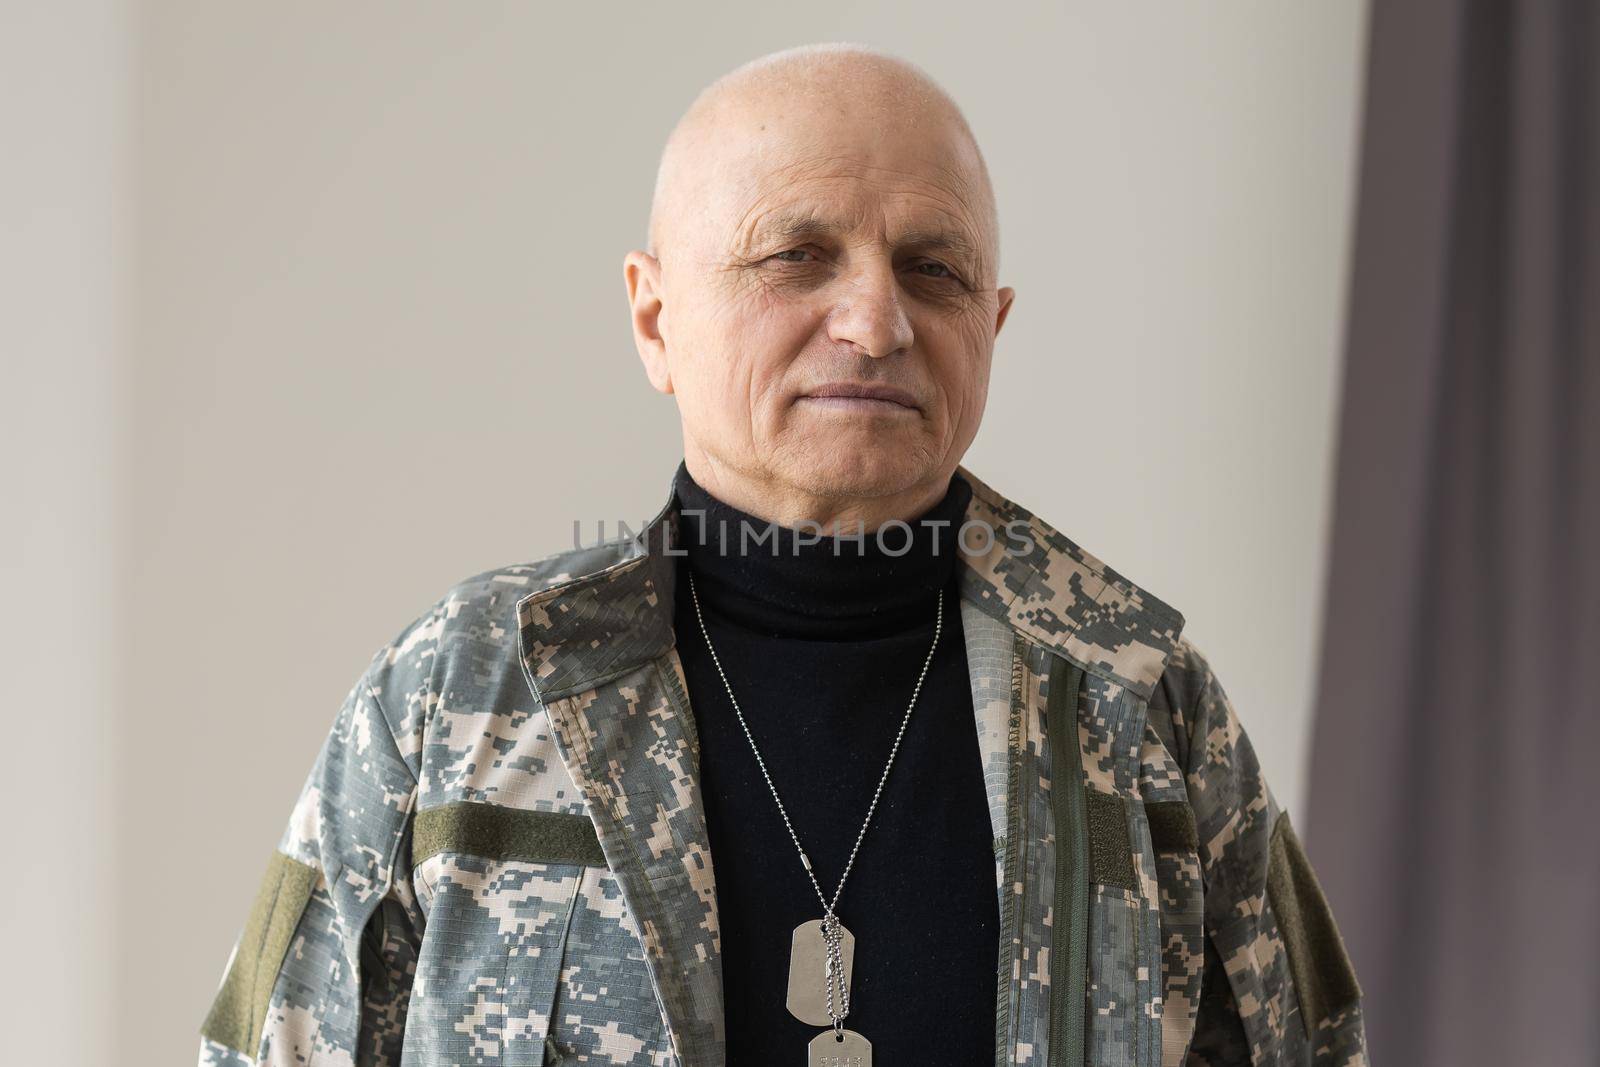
(1006, 297)
(642, 274)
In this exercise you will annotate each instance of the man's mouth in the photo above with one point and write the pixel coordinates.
(865, 397)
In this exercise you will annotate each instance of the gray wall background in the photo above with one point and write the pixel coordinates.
(315, 309)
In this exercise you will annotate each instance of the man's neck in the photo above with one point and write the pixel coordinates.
(775, 501)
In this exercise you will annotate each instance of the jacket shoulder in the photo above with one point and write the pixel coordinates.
(1293, 988)
(1179, 696)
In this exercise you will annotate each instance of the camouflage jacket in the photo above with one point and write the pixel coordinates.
(500, 855)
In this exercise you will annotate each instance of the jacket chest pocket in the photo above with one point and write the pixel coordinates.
(1125, 968)
(528, 957)
(605, 1011)
(1165, 827)
(1145, 927)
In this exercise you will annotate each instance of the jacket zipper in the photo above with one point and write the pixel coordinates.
(1069, 955)
(1004, 1048)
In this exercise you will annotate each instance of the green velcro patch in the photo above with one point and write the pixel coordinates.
(1110, 851)
(239, 1011)
(1172, 826)
(1324, 980)
(501, 833)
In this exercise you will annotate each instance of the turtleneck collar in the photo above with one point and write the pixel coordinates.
(790, 582)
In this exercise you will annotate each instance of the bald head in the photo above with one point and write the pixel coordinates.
(820, 291)
(809, 96)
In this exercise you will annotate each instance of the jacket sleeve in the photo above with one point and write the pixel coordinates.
(321, 970)
(1278, 988)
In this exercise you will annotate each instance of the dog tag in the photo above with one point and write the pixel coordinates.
(808, 962)
(848, 1049)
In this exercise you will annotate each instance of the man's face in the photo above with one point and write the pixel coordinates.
(823, 252)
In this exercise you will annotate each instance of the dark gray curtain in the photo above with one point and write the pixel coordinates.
(1455, 804)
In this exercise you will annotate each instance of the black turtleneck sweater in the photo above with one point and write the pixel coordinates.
(823, 649)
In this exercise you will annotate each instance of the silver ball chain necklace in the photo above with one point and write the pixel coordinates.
(822, 951)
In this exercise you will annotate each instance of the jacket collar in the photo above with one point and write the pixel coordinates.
(616, 612)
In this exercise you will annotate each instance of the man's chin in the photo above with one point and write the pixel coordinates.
(860, 465)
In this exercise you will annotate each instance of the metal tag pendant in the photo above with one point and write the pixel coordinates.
(808, 972)
(848, 1049)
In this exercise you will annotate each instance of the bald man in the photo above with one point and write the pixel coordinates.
(846, 757)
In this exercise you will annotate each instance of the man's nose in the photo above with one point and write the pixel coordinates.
(870, 310)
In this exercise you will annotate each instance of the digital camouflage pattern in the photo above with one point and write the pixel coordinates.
(543, 691)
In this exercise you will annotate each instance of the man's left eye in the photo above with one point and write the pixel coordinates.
(948, 273)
